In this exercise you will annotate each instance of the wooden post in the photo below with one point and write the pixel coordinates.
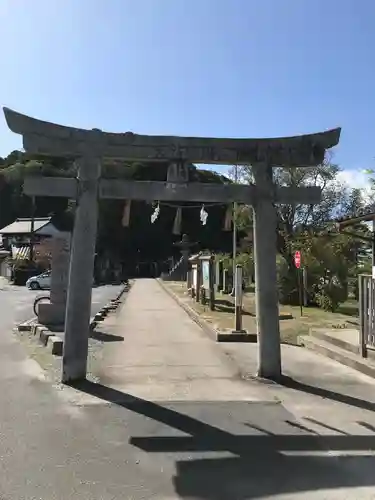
(212, 283)
(203, 297)
(199, 280)
(225, 281)
(189, 279)
(219, 276)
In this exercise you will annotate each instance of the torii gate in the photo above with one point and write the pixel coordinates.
(89, 147)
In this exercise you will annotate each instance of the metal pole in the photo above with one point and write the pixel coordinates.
(238, 300)
(234, 240)
(300, 289)
(305, 296)
(363, 314)
(234, 234)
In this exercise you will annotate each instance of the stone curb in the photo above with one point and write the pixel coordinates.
(53, 342)
(339, 354)
(55, 345)
(27, 326)
(206, 327)
(43, 334)
(112, 306)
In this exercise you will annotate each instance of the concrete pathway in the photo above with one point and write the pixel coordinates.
(165, 355)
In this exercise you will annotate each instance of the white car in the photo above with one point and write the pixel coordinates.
(40, 282)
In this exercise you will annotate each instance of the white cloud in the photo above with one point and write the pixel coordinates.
(354, 178)
(351, 178)
(358, 179)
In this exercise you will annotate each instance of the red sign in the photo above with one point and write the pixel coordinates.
(297, 259)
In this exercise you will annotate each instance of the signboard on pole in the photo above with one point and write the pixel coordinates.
(297, 259)
(206, 274)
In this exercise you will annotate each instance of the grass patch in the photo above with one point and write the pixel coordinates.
(223, 316)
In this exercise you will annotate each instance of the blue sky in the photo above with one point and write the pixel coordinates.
(240, 68)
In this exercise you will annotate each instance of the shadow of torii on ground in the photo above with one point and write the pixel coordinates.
(244, 466)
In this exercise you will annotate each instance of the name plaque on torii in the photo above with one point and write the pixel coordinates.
(90, 147)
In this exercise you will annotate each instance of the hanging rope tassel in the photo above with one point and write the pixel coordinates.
(203, 216)
(126, 214)
(155, 213)
(228, 218)
(177, 221)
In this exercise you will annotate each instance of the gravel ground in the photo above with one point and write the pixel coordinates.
(52, 365)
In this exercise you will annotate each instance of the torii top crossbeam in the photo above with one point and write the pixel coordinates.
(43, 137)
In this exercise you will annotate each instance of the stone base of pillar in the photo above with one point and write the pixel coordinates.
(236, 336)
(51, 314)
(266, 377)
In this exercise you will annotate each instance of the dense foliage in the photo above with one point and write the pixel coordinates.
(141, 240)
(332, 259)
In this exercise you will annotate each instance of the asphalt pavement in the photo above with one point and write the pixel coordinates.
(16, 302)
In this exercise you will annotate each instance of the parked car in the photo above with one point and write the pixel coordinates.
(40, 282)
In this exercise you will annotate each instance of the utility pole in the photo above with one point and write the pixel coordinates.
(32, 230)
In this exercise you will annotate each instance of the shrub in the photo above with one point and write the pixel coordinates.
(331, 293)
(244, 259)
(287, 284)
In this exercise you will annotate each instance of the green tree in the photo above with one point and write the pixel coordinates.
(305, 227)
(290, 218)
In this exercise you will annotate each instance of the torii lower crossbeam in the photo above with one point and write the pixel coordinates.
(162, 191)
(262, 197)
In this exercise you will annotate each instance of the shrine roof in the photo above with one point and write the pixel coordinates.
(24, 226)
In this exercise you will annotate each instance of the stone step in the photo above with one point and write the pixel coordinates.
(343, 356)
(345, 339)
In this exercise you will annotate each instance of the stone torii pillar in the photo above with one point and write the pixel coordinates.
(89, 147)
(266, 293)
(81, 271)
